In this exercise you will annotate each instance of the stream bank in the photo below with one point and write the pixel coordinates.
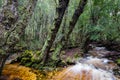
(69, 56)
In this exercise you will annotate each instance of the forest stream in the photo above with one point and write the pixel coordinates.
(88, 68)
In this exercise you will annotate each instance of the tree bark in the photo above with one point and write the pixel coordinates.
(59, 46)
(63, 4)
(75, 16)
(72, 24)
(8, 18)
(3, 60)
(14, 27)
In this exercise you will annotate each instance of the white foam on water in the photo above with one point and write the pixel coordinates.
(95, 73)
(99, 63)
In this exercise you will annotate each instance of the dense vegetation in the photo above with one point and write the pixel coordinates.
(42, 29)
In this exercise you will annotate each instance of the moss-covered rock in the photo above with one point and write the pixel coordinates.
(29, 58)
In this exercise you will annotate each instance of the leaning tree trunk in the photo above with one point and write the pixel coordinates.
(58, 45)
(72, 24)
(63, 4)
(14, 27)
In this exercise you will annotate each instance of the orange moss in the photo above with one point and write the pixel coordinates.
(15, 71)
(46, 75)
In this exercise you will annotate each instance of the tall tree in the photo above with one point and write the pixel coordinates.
(8, 18)
(15, 28)
(63, 4)
(72, 24)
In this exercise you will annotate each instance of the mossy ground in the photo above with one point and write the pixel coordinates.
(14, 71)
(18, 72)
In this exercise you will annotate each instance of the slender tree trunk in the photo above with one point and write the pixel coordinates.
(86, 43)
(63, 4)
(59, 44)
(75, 16)
(72, 24)
(3, 60)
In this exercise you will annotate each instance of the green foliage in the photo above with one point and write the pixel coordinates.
(118, 61)
(105, 13)
(29, 58)
(105, 27)
(40, 24)
(1, 52)
(76, 55)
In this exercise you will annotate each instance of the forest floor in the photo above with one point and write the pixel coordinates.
(70, 56)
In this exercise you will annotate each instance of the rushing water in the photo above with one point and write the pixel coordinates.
(85, 72)
(89, 69)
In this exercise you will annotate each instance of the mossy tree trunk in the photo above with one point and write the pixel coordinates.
(58, 47)
(12, 28)
(72, 24)
(8, 18)
(63, 4)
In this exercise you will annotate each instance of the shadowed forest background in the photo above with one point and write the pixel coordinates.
(47, 35)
